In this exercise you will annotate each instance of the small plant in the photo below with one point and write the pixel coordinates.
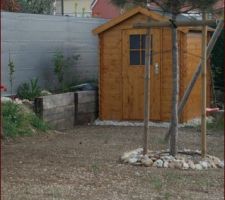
(17, 122)
(83, 12)
(29, 90)
(75, 8)
(61, 65)
(11, 72)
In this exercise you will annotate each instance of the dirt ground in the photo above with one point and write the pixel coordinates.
(83, 164)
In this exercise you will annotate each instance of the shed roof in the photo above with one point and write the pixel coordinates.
(127, 15)
(140, 10)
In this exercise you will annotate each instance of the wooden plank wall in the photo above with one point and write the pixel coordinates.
(63, 111)
(111, 91)
(58, 110)
(86, 104)
(193, 108)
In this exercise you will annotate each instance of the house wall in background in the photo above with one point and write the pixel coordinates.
(33, 40)
(69, 7)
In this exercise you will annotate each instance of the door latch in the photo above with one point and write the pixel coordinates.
(156, 66)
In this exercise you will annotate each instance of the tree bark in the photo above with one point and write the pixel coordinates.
(204, 85)
(191, 84)
(175, 92)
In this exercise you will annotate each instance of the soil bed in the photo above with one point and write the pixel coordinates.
(83, 164)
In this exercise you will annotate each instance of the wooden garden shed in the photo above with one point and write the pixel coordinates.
(122, 61)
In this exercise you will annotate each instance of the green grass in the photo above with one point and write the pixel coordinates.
(216, 124)
(17, 122)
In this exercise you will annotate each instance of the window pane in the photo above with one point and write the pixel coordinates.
(143, 57)
(143, 41)
(134, 57)
(134, 41)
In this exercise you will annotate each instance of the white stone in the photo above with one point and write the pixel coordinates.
(185, 165)
(45, 93)
(178, 164)
(165, 164)
(167, 158)
(147, 162)
(171, 164)
(158, 163)
(198, 167)
(221, 165)
(6, 99)
(133, 160)
(204, 164)
(191, 164)
(18, 101)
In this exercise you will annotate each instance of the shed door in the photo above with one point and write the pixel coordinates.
(133, 74)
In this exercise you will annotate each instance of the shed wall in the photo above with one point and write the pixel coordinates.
(193, 54)
(111, 92)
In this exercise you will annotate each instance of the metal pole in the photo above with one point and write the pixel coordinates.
(204, 83)
(146, 89)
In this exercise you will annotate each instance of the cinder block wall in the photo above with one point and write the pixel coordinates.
(33, 39)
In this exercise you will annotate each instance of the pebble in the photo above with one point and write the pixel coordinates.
(158, 163)
(185, 165)
(198, 167)
(6, 99)
(164, 160)
(147, 162)
(204, 164)
(165, 164)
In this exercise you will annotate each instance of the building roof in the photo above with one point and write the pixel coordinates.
(126, 15)
(158, 16)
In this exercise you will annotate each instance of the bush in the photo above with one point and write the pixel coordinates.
(61, 66)
(16, 122)
(29, 90)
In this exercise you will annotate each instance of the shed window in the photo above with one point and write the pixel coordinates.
(137, 49)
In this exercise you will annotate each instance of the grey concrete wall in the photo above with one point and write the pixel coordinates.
(34, 39)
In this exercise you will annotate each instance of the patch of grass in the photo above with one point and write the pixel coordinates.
(167, 195)
(217, 124)
(38, 123)
(157, 183)
(172, 177)
(17, 122)
(95, 168)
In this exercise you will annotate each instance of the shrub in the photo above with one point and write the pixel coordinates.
(17, 122)
(29, 90)
(61, 65)
(13, 120)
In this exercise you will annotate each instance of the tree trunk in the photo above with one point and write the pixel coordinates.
(146, 90)
(175, 92)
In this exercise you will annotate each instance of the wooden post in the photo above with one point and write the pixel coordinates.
(191, 84)
(62, 7)
(177, 23)
(146, 90)
(204, 85)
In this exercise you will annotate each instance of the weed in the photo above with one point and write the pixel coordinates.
(37, 123)
(16, 122)
(61, 65)
(95, 169)
(29, 90)
(11, 72)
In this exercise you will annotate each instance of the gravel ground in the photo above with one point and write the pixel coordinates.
(83, 164)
